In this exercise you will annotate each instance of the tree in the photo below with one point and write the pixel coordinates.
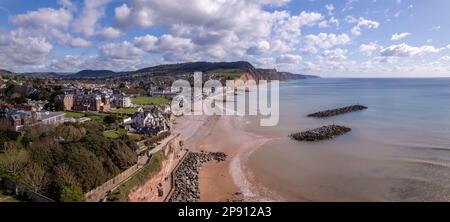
(65, 176)
(71, 193)
(59, 106)
(15, 158)
(71, 133)
(34, 176)
(110, 119)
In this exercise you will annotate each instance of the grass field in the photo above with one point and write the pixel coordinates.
(232, 73)
(126, 111)
(144, 100)
(114, 134)
(74, 115)
(78, 115)
(135, 137)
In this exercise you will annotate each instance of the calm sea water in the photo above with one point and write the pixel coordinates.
(398, 150)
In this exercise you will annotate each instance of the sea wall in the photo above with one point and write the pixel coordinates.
(322, 133)
(186, 182)
(339, 111)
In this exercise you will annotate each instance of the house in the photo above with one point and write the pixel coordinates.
(148, 122)
(19, 119)
(120, 100)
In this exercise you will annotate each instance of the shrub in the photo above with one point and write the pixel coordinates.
(71, 193)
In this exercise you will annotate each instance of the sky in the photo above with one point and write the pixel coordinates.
(346, 38)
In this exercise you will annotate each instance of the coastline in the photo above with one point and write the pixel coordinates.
(229, 180)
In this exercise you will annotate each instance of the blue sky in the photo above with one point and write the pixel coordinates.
(348, 38)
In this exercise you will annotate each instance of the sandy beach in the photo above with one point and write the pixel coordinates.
(228, 180)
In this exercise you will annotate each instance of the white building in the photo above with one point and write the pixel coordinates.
(120, 100)
(50, 118)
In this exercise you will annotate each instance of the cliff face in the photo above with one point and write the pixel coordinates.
(252, 74)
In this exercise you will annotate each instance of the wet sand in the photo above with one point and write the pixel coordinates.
(224, 181)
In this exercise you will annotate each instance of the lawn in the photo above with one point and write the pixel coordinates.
(126, 111)
(114, 134)
(232, 73)
(135, 137)
(74, 115)
(144, 100)
(78, 115)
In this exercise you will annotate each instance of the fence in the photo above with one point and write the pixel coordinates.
(22, 191)
(99, 193)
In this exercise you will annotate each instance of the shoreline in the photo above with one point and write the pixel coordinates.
(230, 180)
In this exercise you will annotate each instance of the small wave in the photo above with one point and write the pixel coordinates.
(431, 163)
(242, 177)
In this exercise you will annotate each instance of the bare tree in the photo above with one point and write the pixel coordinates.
(34, 177)
(64, 175)
(15, 158)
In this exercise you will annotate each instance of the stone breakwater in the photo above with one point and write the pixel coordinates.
(335, 112)
(322, 133)
(186, 181)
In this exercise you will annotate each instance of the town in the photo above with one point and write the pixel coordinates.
(39, 118)
(98, 135)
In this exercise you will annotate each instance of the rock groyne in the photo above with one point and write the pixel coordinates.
(322, 133)
(186, 182)
(339, 111)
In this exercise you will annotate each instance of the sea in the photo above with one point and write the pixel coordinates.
(398, 149)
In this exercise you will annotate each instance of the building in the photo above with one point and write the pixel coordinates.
(67, 99)
(50, 118)
(120, 101)
(86, 102)
(148, 122)
(18, 119)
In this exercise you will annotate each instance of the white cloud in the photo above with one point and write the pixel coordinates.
(108, 33)
(43, 18)
(227, 30)
(80, 42)
(309, 49)
(91, 13)
(289, 59)
(368, 49)
(259, 48)
(18, 49)
(330, 8)
(171, 43)
(445, 59)
(404, 50)
(146, 43)
(335, 55)
(324, 40)
(331, 21)
(67, 4)
(398, 36)
(361, 23)
(121, 51)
